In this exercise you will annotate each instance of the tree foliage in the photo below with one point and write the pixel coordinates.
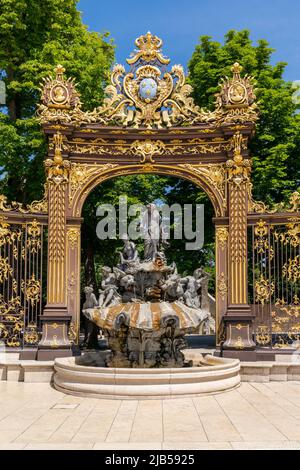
(143, 189)
(276, 166)
(36, 35)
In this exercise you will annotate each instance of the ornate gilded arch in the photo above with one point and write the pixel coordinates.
(84, 178)
(149, 123)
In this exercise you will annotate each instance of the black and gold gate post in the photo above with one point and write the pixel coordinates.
(238, 319)
(55, 319)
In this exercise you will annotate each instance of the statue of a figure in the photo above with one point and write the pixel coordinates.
(203, 277)
(90, 298)
(109, 289)
(191, 295)
(154, 236)
(172, 287)
(129, 255)
(91, 331)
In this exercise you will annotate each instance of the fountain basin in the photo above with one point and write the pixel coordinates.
(146, 334)
(212, 376)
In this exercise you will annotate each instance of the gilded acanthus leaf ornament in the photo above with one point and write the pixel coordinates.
(261, 243)
(149, 95)
(222, 236)
(34, 231)
(259, 207)
(291, 270)
(34, 207)
(215, 175)
(238, 167)
(147, 148)
(58, 168)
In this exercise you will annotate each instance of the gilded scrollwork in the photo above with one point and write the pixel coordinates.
(263, 335)
(5, 269)
(34, 207)
(32, 289)
(73, 332)
(261, 243)
(259, 207)
(264, 288)
(292, 234)
(34, 231)
(291, 269)
(81, 173)
(215, 174)
(222, 286)
(148, 147)
(148, 95)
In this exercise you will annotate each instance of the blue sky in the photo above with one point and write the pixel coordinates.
(180, 23)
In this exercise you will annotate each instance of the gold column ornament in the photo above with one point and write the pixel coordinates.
(73, 278)
(238, 318)
(221, 277)
(58, 175)
(238, 177)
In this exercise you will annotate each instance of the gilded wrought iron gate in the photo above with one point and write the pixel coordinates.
(275, 273)
(21, 280)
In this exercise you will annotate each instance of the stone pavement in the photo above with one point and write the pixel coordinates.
(253, 416)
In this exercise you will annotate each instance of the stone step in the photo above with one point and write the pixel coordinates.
(26, 371)
(283, 369)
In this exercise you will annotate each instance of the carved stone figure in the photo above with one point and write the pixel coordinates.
(153, 233)
(157, 306)
(172, 288)
(108, 292)
(129, 255)
(203, 277)
(191, 295)
(91, 330)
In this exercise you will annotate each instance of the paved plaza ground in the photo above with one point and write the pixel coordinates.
(253, 416)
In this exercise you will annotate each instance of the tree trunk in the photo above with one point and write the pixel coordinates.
(89, 266)
(12, 105)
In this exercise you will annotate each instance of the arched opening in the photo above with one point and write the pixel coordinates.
(145, 189)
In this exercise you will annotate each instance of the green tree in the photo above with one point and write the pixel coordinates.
(35, 35)
(138, 189)
(276, 166)
(141, 189)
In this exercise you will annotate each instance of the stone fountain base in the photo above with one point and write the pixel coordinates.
(212, 376)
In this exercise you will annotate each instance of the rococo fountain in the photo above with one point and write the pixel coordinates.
(145, 310)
